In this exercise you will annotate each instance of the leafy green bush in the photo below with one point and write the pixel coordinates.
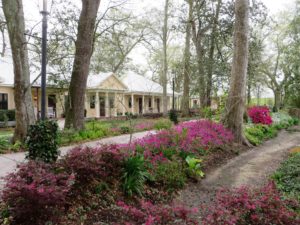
(287, 177)
(124, 129)
(163, 124)
(170, 175)
(256, 134)
(42, 141)
(207, 113)
(4, 144)
(7, 115)
(194, 167)
(135, 175)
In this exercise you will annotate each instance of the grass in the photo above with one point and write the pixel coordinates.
(262, 101)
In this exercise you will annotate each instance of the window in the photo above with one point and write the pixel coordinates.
(3, 101)
(150, 103)
(129, 103)
(92, 101)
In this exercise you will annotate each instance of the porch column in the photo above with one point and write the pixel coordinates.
(132, 104)
(153, 105)
(123, 105)
(107, 105)
(143, 105)
(97, 105)
(115, 105)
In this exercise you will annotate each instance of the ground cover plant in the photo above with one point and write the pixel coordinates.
(151, 170)
(243, 206)
(287, 176)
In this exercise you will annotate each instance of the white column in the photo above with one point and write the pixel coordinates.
(115, 104)
(123, 105)
(107, 105)
(143, 105)
(132, 104)
(153, 105)
(97, 105)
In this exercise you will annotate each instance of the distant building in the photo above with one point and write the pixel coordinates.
(106, 96)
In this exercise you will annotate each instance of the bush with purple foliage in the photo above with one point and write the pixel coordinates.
(245, 207)
(36, 192)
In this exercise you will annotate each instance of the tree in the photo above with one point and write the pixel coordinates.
(235, 104)
(187, 55)
(83, 53)
(165, 60)
(213, 39)
(14, 16)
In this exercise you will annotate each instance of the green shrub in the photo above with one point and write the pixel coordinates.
(256, 134)
(4, 144)
(42, 141)
(170, 175)
(194, 167)
(162, 124)
(124, 130)
(207, 113)
(287, 177)
(7, 115)
(135, 175)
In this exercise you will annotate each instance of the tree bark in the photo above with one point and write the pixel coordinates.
(80, 72)
(185, 103)
(14, 15)
(235, 105)
(211, 54)
(277, 99)
(165, 61)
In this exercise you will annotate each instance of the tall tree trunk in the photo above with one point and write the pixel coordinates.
(249, 92)
(211, 54)
(165, 60)
(84, 49)
(187, 55)
(235, 105)
(277, 99)
(201, 74)
(14, 15)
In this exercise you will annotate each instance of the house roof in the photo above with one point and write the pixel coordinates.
(132, 82)
(138, 83)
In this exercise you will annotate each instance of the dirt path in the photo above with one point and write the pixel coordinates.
(252, 168)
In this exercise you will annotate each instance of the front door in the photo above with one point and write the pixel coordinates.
(140, 106)
(102, 106)
(158, 105)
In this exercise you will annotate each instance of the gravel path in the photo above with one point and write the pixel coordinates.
(252, 168)
(8, 162)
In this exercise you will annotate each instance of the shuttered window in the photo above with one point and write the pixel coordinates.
(3, 101)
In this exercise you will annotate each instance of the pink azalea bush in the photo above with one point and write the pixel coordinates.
(260, 114)
(36, 192)
(150, 214)
(189, 137)
(243, 206)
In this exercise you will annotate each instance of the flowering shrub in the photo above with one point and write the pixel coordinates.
(260, 114)
(189, 137)
(243, 207)
(36, 192)
(149, 214)
(96, 163)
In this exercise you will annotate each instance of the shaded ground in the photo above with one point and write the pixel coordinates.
(252, 168)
